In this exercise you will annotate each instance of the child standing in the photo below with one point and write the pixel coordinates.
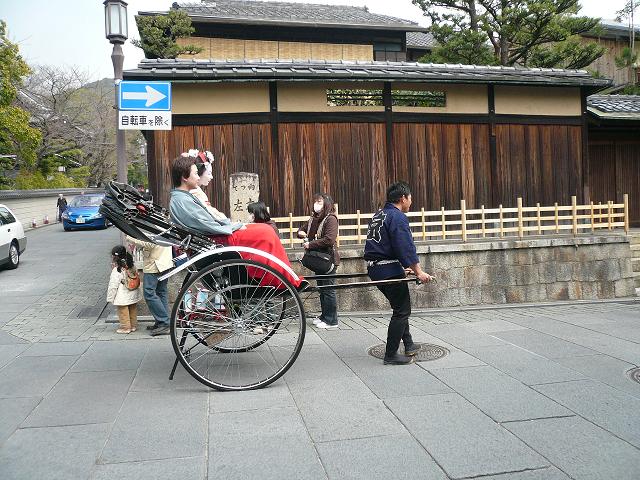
(124, 289)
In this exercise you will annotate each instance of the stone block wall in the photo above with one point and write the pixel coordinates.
(493, 272)
(506, 271)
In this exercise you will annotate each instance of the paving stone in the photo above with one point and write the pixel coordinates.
(32, 376)
(9, 339)
(320, 360)
(525, 366)
(43, 349)
(116, 355)
(193, 468)
(9, 352)
(605, 369)
(550, 473)
(489, 326)
(13, 411)
(267, 444)
(461, 439)
(388, 381)
(579, 448)
(462, 336)
(274, 396)
(613, 410)
(353, 343)
(148, 420)
(342, 408)
(153, 373)
(542, 344)
(394, 456)
(53, 453)
(81, 398)
(498, 395)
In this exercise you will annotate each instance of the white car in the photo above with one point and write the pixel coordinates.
(12, 238)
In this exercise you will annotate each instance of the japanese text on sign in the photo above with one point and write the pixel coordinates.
(141, 120)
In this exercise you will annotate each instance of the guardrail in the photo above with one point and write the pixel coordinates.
(465, 224)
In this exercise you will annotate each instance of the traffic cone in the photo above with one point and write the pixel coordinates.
(33, 223)
(46, 220)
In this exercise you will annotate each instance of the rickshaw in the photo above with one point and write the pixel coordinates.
(237, 322)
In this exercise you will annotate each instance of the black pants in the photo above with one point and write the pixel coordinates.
(400, 301)
(328, 301)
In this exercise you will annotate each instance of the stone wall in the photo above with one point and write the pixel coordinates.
(493, 272)
(507, 271)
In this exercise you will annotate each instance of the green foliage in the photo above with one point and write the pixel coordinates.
(16, 136)
(79, 175)
(37, 180)
(137, 174)
(460, 45)
(627, 58)
(12, 68)
(630, 90)
(535, 33)
(158, 35)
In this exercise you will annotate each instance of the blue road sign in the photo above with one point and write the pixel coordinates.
(145, 96)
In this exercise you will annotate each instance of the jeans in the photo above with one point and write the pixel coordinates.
(400, 301)
(156, 296)
(328, 301)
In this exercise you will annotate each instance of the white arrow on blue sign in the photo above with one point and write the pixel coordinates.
(145, 96)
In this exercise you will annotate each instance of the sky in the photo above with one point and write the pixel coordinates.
(71, 32)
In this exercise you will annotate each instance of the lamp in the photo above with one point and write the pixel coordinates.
(115, 21)
(116, 31)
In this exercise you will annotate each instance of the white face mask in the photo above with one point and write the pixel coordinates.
(317, 207)
(252, 218)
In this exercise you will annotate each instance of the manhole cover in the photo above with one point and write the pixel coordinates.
(634, 374)
(427, 352)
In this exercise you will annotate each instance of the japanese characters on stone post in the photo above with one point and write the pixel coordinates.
(244, 188)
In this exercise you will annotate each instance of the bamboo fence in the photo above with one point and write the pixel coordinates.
(481, 223)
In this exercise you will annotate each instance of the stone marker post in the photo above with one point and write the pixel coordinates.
(244, 188)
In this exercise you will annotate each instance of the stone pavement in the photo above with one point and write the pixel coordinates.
(526, 393)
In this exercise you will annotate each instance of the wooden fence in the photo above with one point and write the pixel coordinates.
(465, 224)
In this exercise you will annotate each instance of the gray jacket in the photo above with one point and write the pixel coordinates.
(186, 210)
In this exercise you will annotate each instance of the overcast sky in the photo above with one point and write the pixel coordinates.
(71, 32)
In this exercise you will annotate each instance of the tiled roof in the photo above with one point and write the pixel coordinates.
(614, 106)
(420, 40)
(212, 70)
(253, 12)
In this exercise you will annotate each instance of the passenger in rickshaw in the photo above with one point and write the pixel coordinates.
(190, 212)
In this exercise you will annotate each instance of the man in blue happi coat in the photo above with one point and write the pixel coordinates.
(391, 254)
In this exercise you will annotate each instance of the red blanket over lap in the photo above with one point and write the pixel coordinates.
(262, 237)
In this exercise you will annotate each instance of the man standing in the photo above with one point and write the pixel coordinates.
(391, 254)
(62, 206)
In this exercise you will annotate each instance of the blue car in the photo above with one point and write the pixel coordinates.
(82, 212)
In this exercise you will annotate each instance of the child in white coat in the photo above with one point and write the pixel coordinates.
(124, 289)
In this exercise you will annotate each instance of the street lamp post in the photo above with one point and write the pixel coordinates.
(116, 31)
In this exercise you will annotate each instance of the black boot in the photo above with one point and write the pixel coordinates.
(397, 359)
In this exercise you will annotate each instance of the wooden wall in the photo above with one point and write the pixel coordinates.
(443, 162)
(614, 171)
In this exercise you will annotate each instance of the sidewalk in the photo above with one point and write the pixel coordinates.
(529, 393)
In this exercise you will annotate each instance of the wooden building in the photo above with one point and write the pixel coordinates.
(294, 93)
(614, 150)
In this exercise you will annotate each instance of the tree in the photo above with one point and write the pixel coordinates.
(628, 57)
(534, 33)
(17, 137)
(158, 35)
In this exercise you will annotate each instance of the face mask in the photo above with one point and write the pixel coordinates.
(252, 218)
(317, 207)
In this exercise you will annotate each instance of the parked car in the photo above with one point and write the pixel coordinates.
(12, 238)
(83, 212)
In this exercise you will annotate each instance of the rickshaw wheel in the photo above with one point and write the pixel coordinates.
(237, 325)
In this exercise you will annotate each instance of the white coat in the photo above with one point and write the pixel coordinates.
(118, 293)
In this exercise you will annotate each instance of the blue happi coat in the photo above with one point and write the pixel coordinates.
(389, 248)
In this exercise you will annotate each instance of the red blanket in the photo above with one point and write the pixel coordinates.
(262, 237)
